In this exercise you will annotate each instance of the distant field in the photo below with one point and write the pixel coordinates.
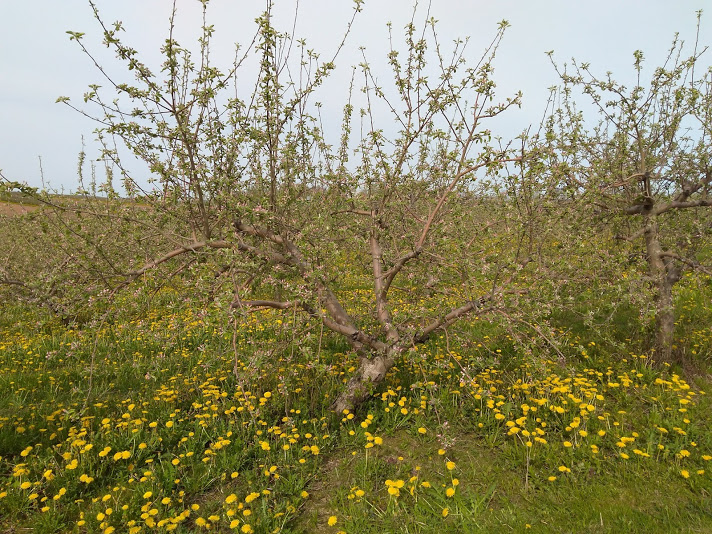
(12, 208)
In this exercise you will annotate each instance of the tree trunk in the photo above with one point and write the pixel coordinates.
(664, 323)
(664, 275)
(360, 386)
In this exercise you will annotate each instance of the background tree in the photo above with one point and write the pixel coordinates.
(643, 171)
(69, 249)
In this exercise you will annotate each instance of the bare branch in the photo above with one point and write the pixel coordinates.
(193, 247)
(11, 282)
(691, 190)
(622, 182)
(631, 238)
(541, 334)
(447, 320)
(267, 304)
(448, 190)
(258, 232)
(662, 208)
(390, 275)
(297, 259)
(355, 212)
(355, 336)
(687, 261)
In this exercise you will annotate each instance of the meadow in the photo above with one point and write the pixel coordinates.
(173, 415)
(516, 333)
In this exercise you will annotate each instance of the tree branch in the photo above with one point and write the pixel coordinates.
(193, 247)
(266, 304)
(687, 261)
(355, 336)
(450, 318)
(307, 272)
(354, 212)
(390, 275)
(448, 190)
(258, 232)
(675, 204)
(689, 191)
(380, 292)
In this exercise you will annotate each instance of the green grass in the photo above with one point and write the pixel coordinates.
(495, 497)
(169, 438)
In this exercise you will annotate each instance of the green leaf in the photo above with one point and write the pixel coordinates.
(75, 35)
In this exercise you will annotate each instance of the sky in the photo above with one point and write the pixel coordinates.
(38, 63)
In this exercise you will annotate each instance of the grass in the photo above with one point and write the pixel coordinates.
(140, 424)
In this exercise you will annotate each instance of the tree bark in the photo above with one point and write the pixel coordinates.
(664, 276)
(360, 386)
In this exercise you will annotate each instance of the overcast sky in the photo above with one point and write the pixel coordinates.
(38, 63)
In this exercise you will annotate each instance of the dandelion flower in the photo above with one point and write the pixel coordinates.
(251, 497)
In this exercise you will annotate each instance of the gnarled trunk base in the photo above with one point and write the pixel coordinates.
(370, 373)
